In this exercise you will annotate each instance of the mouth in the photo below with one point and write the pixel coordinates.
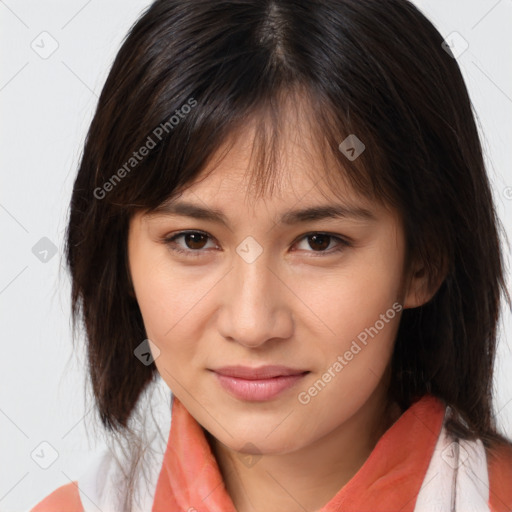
(258, 384)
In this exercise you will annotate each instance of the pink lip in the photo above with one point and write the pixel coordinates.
(257, 384)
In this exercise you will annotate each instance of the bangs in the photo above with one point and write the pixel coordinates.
(289, 121)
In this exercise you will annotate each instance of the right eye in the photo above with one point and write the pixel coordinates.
(194, 242)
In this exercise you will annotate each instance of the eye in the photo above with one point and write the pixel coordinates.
(196, 241)
(319, 242)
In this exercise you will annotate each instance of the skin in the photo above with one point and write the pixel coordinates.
(298, 306)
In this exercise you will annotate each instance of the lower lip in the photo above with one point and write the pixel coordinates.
(258, 390)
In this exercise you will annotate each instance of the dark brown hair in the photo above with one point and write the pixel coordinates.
(373, 68)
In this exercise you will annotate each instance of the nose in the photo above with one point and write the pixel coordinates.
(256, 304)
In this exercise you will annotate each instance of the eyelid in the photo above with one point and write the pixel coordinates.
(169, 239)
(343, 242)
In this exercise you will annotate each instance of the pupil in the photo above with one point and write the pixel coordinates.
(324, 238)
(195, 239)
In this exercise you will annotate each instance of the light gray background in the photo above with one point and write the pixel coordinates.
(46, 106)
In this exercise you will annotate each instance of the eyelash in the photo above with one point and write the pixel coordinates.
(170, 242)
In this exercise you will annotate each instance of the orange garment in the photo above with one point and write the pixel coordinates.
(388, 481)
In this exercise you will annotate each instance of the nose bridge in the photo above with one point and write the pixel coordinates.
(254, 281)
(254, 308)
(252, 276)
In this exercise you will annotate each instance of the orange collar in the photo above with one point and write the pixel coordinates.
(390, 478)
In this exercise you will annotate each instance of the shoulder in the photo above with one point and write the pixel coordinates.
(90, 484)
(64, 498)
(499, 461)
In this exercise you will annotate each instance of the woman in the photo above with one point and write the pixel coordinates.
(282, 216)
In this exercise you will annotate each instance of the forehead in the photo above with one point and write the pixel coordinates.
(221, 196)
(254, 165)
(291, 180)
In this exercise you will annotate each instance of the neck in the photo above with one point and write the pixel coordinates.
(307, 478)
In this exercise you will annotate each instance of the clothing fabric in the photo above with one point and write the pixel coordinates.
(414, 467)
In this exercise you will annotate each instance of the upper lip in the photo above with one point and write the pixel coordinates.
(261, 372)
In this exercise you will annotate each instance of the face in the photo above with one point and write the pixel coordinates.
(319, 296)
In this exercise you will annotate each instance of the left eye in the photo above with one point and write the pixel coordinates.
(319, 242)
(195, 241)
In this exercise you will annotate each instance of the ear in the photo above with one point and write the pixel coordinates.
(131, 293)
(131, 290)
(423, 284)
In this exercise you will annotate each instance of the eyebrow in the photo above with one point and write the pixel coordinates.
(312, 213)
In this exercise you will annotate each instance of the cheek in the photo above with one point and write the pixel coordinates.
(168, 315)
(353, 299)
(168, 297)
(156, 301)
(172, 302)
